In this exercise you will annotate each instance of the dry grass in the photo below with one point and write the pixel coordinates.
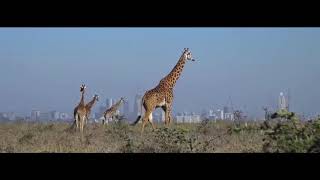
(123, 138)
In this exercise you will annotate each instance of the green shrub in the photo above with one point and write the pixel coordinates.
(292, 135)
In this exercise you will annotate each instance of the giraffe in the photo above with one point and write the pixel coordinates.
(90, 105)
(162, 94)
(82, 91)
(111, 112)
(80, 110)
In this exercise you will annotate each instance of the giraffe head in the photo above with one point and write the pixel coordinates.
(82, 87)
(96, 97)
(187, 54)
(122, 99)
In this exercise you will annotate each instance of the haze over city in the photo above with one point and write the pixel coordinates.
(43, 68)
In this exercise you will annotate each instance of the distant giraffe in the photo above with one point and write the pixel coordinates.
(162, 94)
(90, 105)
(111, 112)
(82, 91)
(80, 110)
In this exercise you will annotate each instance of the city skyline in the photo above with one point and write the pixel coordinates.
(41, 68)
(223, 112)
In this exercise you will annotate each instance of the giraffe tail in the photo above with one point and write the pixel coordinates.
(136, 121)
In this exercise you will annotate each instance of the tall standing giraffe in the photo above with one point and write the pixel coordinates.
(90, 105)
(162, 94)
(80, 110)
(82, 91)
(111, 112)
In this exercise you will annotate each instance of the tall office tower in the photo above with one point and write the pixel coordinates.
(282, 102)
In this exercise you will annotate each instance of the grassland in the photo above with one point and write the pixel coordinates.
(210, 137)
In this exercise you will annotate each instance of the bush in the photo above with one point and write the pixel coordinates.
(171, 140)
(292, 135)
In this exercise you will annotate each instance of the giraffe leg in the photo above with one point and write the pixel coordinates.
(164, 108)
(83, 122)
(80, 123)
(151, 122)
(167, 109)
(166, 122)
(77, 121)
(145, 120)
(169, 114)
(104, 120)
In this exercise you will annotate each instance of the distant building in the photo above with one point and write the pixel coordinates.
(64, 116)
(35, 115)
(55, 115)
(282, 102)
(45, 116)
(137, 105)
(229, 116)
(9, 116)
(188, 118)
(180, 119)
(220, 114)
(195, 118)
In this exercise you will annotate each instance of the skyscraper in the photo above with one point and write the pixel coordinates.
(35, 114)
(282, 102)
(220, 114)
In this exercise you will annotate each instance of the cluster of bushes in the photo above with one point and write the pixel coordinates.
(291, 135)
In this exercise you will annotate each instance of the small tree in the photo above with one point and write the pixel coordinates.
(292, 135)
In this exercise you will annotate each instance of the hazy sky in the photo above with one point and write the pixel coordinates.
(42, 68)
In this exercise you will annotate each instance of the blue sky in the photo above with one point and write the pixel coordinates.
(42, 68)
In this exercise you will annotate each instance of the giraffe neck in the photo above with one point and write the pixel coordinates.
(82, 98)
(116, 106)
(175, 73)
(91, 103)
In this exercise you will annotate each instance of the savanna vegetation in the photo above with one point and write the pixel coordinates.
(284, 133)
